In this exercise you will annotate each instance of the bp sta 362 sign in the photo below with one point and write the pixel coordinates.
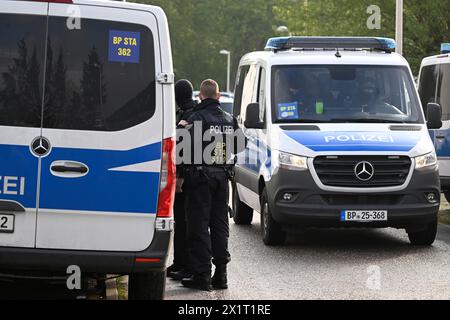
(124, 46)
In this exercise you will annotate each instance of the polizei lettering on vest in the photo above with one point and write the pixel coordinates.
(221, 130)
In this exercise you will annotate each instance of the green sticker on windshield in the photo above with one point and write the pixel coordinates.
(320, 107)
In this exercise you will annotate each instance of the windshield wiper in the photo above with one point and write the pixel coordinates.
(366, 121)
(302, 121)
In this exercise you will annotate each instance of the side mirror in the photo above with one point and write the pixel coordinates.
(434, 116)
(252, 117)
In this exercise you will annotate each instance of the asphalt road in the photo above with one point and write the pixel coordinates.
(331, 264)
(318, 264)
(47, 290)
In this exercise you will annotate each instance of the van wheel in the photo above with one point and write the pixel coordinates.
(147, 286)
(272, 232)
(242, 214)
(426, 237)
(447, 196)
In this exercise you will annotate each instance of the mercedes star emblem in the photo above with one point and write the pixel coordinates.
(40, 146)
(364, 171)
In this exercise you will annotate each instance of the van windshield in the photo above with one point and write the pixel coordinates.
(344, 94)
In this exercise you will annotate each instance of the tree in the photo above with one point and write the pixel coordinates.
(201, 28)
(93, 91)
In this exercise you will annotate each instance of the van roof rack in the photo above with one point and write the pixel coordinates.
(351, 43)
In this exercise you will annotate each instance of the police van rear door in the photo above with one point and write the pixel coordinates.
(22, 61)
(103, 119)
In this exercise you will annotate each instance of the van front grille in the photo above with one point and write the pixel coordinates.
(342, 171)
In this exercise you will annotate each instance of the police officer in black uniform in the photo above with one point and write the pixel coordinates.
(180, 268)
(207, 188)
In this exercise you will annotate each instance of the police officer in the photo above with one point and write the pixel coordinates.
(207, 188)
(180, 268)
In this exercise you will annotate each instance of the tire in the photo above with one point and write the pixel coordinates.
(147, 286)
(447, 196)
(272, 232)
(242, 214)
(426, 237)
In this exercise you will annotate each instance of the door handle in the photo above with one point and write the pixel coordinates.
(69, 169)
(440, 137)
(66, 169)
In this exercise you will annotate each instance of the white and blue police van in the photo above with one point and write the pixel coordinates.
(336, 138)
(434, 87)
(87, 127)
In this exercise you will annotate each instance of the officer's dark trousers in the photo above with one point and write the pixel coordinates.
(207, 219)
(180, 239)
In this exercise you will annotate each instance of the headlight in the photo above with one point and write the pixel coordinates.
(426, 161)
(293, 162)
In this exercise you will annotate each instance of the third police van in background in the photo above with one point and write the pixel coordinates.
(336, 138)
(434, 87)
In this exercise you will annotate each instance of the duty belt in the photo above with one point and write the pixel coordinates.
(210, 169)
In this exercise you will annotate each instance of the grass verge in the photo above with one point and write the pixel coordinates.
(444, 214)
(122, 288)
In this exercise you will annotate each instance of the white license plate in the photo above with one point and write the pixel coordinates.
(364, 216)
(6, 223)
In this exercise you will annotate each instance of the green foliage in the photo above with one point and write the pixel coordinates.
(427, 25)
(201, 28)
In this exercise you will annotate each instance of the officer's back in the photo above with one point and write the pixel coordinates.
(208, 189)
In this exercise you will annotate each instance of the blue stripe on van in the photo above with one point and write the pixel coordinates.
(356, 141)
(102, 189)
(17, 162)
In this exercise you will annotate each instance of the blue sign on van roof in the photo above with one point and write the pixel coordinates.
(445, 48)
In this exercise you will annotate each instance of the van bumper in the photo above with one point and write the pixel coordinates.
(18, 261)
(314, 207)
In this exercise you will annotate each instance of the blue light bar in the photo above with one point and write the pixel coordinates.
(445, 48)
(288, 43)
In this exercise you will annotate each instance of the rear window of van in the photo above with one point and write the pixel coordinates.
(22, 51)
(100, 77)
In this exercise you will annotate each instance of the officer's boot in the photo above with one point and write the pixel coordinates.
(198, 282)
(180, 275)
(220, 281)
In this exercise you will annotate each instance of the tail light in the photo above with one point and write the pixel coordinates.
(168, 180)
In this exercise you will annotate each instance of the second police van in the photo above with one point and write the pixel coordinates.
(336, 138)
(434, 87)
(87, 130)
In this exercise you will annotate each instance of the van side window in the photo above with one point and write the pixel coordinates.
(248, 94)
(443, 91)
(242, 74)
(261, 99)
(22, 51)
(92, 83)
(427, 85)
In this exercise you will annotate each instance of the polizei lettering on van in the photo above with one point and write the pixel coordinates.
(360, 138)
(12, 186)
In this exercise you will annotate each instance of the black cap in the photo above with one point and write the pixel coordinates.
(183, 92)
